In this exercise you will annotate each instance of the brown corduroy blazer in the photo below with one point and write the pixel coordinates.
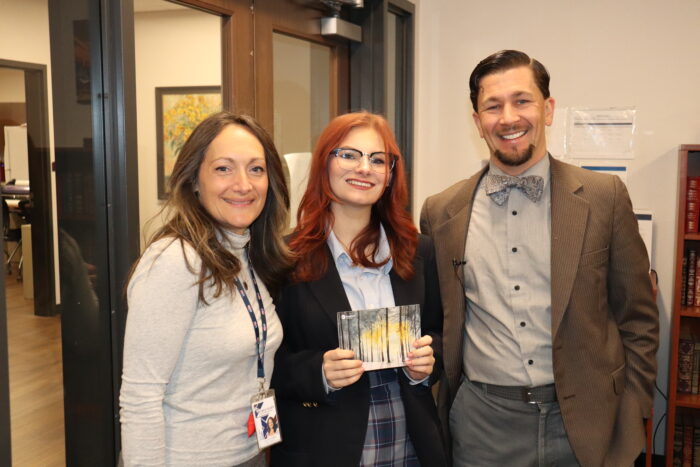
(605, 322)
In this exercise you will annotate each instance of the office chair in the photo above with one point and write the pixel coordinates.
(11, 235)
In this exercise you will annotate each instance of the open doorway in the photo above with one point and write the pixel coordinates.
(24, 119)
(34, 335)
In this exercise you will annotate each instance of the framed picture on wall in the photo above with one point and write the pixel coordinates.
(81, 51)
(178, 111)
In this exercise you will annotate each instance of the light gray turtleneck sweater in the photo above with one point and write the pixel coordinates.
(189, 368)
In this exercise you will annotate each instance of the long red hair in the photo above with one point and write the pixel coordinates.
(314, 217)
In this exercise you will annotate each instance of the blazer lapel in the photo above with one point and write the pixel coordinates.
(452, 234)
(329, 291)
(569, 218)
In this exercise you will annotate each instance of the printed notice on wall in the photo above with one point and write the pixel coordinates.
(607, 167)
(601, 133)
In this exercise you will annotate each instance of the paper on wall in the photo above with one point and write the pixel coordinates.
(601, 133)
(613, 168)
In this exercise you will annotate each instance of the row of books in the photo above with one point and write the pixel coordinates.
(692, 205)
(690, 287)
(686, 441)
(689, 364)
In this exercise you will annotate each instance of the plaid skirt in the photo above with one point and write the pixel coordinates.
(387, 442)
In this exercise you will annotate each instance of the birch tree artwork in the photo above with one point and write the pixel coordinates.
(380, 337)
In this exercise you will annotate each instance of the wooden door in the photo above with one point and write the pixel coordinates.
(301, 77)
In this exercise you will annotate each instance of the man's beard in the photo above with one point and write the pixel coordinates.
(515, 160)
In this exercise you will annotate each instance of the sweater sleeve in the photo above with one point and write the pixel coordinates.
(162, 298)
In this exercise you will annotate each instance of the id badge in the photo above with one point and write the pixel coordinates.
(267, 424)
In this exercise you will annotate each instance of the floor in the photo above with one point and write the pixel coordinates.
(36, 382)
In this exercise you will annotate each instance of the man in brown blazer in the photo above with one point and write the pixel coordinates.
(550, 329)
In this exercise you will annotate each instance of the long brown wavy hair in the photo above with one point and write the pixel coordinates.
(189, 222)
(308, 242)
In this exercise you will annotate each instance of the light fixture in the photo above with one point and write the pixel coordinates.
(334, 26)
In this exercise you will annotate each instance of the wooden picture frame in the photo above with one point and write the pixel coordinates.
(178, 111)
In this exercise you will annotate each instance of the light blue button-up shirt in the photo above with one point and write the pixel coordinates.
(366, 288)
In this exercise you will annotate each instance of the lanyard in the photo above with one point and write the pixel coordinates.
(259, 344)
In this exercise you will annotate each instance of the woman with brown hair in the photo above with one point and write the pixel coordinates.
(202, 331)
(357, 248)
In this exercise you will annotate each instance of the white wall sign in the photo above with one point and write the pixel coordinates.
(601, 133)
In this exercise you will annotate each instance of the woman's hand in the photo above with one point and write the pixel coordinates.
(420, 361)
(340, 369)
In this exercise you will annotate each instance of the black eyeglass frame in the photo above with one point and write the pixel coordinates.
(391, 160)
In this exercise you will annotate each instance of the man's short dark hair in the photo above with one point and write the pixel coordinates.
(502, 61)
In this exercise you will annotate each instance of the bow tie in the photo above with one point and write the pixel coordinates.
(498, 187)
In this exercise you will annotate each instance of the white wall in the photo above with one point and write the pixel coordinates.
(173, 48)
(11, 85)
(599, 53)
(24, 28)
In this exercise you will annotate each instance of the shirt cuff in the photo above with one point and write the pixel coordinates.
(412, 382)
(327, 386)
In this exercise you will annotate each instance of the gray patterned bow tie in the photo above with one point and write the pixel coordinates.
(498, 187)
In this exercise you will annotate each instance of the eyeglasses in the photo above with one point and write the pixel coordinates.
(350, 159)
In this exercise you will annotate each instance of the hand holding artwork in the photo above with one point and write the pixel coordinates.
(420, 361)
(340, 369)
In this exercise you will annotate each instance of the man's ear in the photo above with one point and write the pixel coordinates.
(549, 111)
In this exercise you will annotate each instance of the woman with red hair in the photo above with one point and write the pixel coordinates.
(356, 249)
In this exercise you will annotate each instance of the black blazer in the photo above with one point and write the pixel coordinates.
(323, 430)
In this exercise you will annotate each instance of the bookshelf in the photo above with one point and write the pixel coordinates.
(685, 320)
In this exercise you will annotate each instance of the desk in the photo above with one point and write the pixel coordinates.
(14, 198)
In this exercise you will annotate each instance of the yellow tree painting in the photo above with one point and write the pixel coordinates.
(380, 337)
(178, 111)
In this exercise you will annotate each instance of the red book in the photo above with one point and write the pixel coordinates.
(697, 285)
(688, 442)
(692, 213)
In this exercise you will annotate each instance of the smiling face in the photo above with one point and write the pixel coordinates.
(360, 187)
(511, 117)
(232, 180)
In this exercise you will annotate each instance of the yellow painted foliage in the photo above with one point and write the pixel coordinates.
(185, 113)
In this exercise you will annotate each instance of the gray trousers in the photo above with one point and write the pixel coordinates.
(492, 431)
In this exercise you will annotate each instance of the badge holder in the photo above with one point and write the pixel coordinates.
(264, 411)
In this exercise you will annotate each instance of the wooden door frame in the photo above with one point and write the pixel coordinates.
(237, 67)
(303, 22)
(39, 162)
(368, 64)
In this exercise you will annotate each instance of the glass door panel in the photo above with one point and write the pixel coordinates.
(178, 83)
(301, 105)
